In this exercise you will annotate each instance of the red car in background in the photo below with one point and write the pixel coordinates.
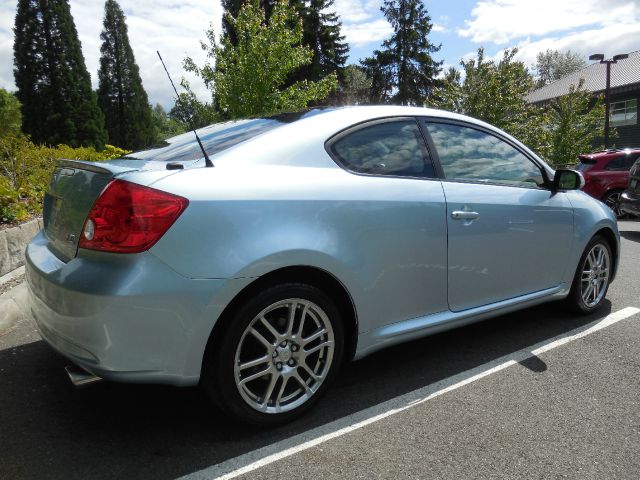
(606, 174)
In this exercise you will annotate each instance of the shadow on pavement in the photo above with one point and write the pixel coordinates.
(48, 429)
(632, 235)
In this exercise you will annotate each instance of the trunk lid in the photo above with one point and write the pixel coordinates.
(74, 187)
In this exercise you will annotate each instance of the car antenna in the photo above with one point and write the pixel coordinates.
(207, 160)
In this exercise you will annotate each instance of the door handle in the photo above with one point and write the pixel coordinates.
(461, 215)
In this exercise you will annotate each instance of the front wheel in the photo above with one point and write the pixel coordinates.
(276, 356)
(591, 281)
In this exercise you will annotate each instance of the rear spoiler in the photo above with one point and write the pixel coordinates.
(94, 166)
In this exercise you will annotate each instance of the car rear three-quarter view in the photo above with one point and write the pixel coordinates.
(316, 238)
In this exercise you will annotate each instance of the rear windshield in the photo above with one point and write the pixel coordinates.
(583, 167)
(216, 138)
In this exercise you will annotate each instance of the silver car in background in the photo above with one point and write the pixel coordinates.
(317, 237)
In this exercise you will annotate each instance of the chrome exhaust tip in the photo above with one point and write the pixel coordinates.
(80, 377)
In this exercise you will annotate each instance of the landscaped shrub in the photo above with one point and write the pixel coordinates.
(25, 171)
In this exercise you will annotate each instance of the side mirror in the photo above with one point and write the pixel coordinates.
(565, 179)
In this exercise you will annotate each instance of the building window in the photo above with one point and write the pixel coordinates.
(624, 113)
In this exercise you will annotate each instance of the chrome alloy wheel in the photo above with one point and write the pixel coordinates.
(284, 355)
(595, 275)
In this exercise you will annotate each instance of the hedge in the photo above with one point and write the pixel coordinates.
(25, 170)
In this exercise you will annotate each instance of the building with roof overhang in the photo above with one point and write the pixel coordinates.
(623, 98)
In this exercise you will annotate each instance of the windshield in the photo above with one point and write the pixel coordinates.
(215, 138)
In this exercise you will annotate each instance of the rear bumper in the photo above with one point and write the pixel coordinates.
(630, 203)
(126, 318)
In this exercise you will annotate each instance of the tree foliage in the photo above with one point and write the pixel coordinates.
(10, 116)
(54, 87)
(495, 91)
(121, 95)
(576, 123)
(552, 65)
(249, 76)
(164, 126)
(404, 72)
(190, 112)
(354, 86)
(321, 33)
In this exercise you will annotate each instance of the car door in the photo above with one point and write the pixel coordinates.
(400, 230)
(508, 234)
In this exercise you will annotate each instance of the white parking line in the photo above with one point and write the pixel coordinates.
(251, 461)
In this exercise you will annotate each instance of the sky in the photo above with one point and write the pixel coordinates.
(175, 27)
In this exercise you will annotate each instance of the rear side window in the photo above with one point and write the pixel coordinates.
(621, 163)
(394, 148)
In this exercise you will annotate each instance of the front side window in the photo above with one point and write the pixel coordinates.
(393, 148)
(472, 155)
(623, 113)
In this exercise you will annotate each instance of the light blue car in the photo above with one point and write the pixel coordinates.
(317, 238)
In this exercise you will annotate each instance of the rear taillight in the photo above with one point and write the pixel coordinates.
(130, 218)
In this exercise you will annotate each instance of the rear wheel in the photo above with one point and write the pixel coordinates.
(612, 200)
(276, 356)
(591, 281)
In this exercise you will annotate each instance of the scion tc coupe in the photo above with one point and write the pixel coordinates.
(316, 238)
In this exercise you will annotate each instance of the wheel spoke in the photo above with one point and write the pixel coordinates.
(302, 383)
(587, 293)
(310, 372)
(292, 318)
(313, 336)
(253, 363)
(271, 329)
(321, 345)
(259, 374)
(269, 392)
(285, 380)
(260, 338)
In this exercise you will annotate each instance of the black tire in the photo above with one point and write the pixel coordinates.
(575, 301)
(612, 200)
(218, 377)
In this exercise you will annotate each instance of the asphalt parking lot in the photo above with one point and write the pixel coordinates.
(539, 393)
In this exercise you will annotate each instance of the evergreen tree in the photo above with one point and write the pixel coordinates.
(54, 86)
(121, 96)
(321, 33)
(404, 72)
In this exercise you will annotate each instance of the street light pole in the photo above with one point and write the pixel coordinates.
(600, 57)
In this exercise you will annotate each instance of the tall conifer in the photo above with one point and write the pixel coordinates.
(404, 72)
(54, 86)
(121, 95)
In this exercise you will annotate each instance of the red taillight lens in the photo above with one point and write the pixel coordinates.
(130, 218)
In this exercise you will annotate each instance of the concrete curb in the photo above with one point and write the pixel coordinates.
(13, 302)
(13, 308)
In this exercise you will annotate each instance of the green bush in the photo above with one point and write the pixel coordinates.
(25, 170)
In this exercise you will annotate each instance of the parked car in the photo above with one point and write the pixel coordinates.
(316, 238)
(630, 198)
(606, 174)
